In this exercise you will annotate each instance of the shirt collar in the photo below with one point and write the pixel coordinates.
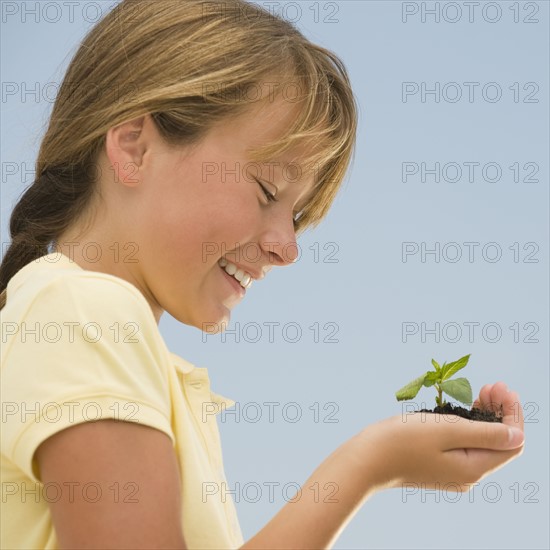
(185, 367)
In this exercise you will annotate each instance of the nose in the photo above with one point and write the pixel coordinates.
(279, 243)
(281, 253)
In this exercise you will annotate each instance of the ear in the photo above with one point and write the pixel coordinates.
(125, 146)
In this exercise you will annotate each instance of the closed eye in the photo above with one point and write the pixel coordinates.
(270, 197)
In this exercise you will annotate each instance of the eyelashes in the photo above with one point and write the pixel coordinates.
(271, 198)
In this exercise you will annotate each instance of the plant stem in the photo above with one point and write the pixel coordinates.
(439, 398)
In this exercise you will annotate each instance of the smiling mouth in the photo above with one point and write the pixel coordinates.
(237, 287)
(241, 277)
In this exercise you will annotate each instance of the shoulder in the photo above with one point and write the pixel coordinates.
(54, 283)
(75, 341)
(81, 311)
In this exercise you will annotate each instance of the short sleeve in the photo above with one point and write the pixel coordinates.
(85, 348)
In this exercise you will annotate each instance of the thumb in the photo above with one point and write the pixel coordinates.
(487, 435)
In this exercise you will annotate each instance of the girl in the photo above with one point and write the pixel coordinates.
(190, 143)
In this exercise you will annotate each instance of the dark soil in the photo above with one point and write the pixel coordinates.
(473, 414)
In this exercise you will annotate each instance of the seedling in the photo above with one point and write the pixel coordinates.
(459, 388)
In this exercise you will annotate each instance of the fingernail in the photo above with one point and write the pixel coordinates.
(515, 437)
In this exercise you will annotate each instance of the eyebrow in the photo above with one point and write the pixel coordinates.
(304, 201)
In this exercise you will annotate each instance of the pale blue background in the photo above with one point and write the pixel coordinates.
(369, 291)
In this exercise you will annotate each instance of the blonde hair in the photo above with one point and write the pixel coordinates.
(189, 64)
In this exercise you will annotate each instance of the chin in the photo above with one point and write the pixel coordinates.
(210, 324)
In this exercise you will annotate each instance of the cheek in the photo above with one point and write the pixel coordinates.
(187, 212)
(192, 237)
(226, 210)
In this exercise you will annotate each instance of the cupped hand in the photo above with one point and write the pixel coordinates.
(446, 450)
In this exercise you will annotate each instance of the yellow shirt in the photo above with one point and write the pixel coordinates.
(77, 346)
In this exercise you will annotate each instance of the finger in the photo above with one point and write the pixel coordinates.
(477, 403)
(469, 434)
(507, 405)
(485, 396)
(496, 395)
(512, 411)
(499, 391)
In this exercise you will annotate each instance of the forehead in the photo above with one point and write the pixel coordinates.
(270, 118)
(262, 123)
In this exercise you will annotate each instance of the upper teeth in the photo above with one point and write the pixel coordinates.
(243, 277)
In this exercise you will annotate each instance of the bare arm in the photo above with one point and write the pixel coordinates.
(142, 511)
(316, 518)
(386, 454)
(108, 452)
(414, 449)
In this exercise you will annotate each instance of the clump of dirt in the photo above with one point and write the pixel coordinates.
(471, 414)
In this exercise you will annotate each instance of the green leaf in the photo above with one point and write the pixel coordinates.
(431, 378)
(454, 367)
(436, 365)
(411, 389)
(459, 388)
